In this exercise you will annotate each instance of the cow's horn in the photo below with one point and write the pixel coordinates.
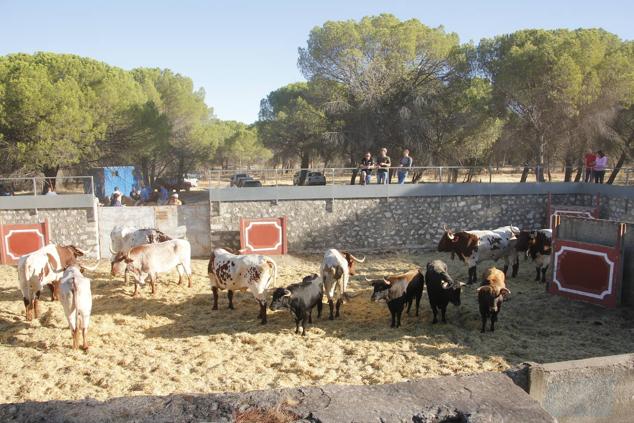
(110, 248)
(366, 279)
(387, 281)
(356, 259)
(444, 228)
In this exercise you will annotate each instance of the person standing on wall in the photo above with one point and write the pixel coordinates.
(600, 164)
(589, 160)
(383, 163)
(404, 166)
(366, 168)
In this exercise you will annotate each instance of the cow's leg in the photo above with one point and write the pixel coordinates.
(84, 336)
(339, 302)
(310, 316)
(418, 297)
(537, 273)
(472, 275)
(393, 315)
(483, 316)
(263, 311)
(152, 282)
(136, 289)
(506, 268)
(230, 297)
(179, 269)
(516, 266)
(331, 306)
(320, 306)
(494, 317)
(52, 288)
(443, 310)
(297, 325)
(304, 324)
(214, 291)
(435, 311)
(36, 304)
(544, 273)
(409, 304)
(75, 338)
(399, 313)
(27, 308)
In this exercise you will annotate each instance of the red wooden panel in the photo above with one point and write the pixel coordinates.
(587, 272)
(263, 236)
(20, 239)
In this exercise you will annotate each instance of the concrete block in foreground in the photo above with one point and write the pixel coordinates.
(597, 390)
(486, 397)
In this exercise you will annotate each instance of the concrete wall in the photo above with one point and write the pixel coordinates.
(67, 226)
(194, 219)
(597, 390)
(385, 223)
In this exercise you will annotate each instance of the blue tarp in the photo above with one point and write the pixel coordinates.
(107, 178)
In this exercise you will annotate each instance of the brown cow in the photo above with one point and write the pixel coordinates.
(491, 295)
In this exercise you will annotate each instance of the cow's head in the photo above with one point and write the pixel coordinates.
(119, 263)
(281, 298)
(351, 261)
(453, 291)
(489, 299)
(446, 243)
(68, 255)
(155, 236)
(381, 289)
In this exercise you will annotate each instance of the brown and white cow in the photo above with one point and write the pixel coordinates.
(124, 238)
(537, 244)
(235, 272)
(336, 269)
(41, 268)
(474, 246)
(150, 259)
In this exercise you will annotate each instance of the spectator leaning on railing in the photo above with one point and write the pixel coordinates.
(404, 166)
(366, 168)
(589, 160)
(383, 163)
(600, 164)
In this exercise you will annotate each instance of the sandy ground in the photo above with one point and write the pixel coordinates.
(172, 342)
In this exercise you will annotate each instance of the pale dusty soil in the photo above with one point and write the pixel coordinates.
(173, 343)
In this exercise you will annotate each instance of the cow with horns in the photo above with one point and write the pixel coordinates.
(235, 272)
(124, 238)
(472, 247)
(537, 244)
(336, 269)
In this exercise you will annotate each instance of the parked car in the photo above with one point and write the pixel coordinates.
(312, 178)
(192, 179)
(250, 183)
(241, 181)
(233, 182)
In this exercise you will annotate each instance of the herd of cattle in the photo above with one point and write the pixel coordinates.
(144, 253)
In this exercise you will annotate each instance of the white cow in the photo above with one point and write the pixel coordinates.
(76, 298)
(233, 272)
(150, 259)
(336, 269)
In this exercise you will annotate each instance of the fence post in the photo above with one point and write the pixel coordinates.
(92, 185)
(440, 174)
(490, 175)
(333, 176)
(34, 187)
(276, 176)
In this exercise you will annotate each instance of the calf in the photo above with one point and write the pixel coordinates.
(41, 268)
(151, 259)
(441, 288)
(491, 295)
(537, 244)
(336, 269)
(124, 238)
(474, 246)
(76, 298)
(397, 291)
(300, 298)
(235, 272)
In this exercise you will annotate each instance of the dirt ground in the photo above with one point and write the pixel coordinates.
(173, 342)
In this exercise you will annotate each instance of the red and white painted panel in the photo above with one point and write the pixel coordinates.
(20, 239)
(588, 272)
(263, 236)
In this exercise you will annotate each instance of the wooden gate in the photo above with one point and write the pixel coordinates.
(21, 239)
(263, 236)
(588, 271)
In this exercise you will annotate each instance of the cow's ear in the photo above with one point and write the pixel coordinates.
(504, 292)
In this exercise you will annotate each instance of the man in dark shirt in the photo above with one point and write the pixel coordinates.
(404, 166)
(366, 168)
(383, 163)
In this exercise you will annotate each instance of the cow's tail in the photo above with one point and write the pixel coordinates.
(74, 291)
(274, 268)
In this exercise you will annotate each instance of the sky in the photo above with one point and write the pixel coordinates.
(239, 51)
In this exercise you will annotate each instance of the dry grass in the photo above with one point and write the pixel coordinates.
(173, 343)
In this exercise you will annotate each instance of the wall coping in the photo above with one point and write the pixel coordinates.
(234, 194)
(65, 201)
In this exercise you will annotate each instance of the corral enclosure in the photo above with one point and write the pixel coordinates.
(174, 342)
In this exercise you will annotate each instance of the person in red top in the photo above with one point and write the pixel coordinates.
(589, 160)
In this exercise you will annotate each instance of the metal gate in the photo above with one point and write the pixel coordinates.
(263, 236)
(589, 212)
(588, 271)
(21, 239)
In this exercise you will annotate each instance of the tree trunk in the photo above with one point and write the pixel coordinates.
(568, 170)
(539, 170)
(49, 184)
(303, 166)
(579, 173)
(525, 171)
(617, 167)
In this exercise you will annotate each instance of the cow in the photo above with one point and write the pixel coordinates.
(474, 246)
(398, 290)
(300, 298)
(336, 269)
(76, 298)
(41, 268)
(124, 238)
(537, 244)
(150, 259)
(441, 288)
(235, 272)
(491, 294)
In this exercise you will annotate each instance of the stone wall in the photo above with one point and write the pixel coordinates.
(67, 226)
(385, 223)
